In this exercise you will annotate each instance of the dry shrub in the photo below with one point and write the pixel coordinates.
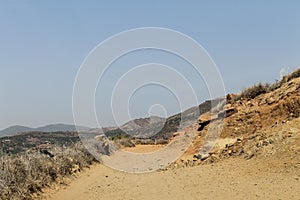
(124, 142)
(161, 141)
(24, 174)
(285, 79)
(254, 91)
(292, 75)
(144, 141)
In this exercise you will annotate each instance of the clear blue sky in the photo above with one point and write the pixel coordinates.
(43, 43)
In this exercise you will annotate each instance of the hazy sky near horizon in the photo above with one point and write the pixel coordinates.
(43, 43)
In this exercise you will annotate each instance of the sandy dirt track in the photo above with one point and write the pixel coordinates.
(231, 179)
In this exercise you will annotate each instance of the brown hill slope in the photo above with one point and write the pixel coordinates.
(268, 124)
(256, 157)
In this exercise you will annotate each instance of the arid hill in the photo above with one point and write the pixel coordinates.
(266, 123)
(257, 155)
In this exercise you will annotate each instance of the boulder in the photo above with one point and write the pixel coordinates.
(230, 98)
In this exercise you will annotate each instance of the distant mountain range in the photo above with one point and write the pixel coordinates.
(48, 128)
(161, 128)
(154, 127)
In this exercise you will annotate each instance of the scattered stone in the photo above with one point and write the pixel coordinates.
(270, 100)
(249, 155)
(176, 134)
(75, 168)
(201, 157)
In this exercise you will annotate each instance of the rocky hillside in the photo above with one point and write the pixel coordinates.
(265, 123)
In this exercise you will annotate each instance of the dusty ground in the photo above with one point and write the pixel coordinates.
(257, 157)
(236, 178)
(144, 148)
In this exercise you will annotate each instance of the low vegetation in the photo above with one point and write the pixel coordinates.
(254, 91)
(124, 142)
(24, 141)
(292, 75)
(25, 174)
(262, 88)
(32, 161)
(150, 141)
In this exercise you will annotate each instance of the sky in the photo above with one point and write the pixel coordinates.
(43, 44)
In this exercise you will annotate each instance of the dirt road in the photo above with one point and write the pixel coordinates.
(237, 178)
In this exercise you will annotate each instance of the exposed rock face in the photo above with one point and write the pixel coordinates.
(208, 117)
(205, 119)
(262, 126)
